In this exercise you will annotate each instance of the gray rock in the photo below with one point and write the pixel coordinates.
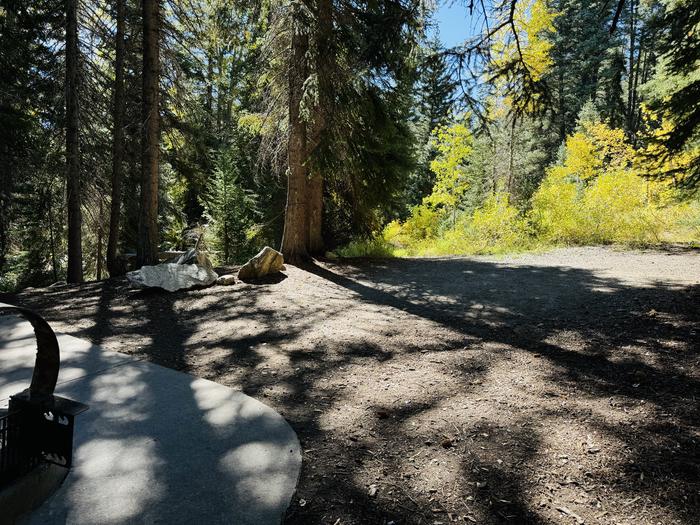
(268, 261)
(226, 280)
(194, 256)
(189, 257)
(172, 277)
(203, 260)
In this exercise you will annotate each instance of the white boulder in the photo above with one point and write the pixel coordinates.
(172, 276)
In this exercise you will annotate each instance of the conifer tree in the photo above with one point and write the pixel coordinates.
(75, 255)
(676, 91)
(147, 248)
(113, 265)
(436, 93)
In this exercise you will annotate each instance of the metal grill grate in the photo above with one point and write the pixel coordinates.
(16, 456)
(38, 426)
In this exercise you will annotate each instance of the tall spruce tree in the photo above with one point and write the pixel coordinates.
(113, 265)
(295, 237)
(678, 84)
(147, 248)
(581, 43)
(436, 92)
(74, 272)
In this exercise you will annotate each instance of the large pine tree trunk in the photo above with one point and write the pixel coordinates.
(113, 266)
(52, 237)
(100, 239)
(75, 253)
(3, 221)
(324, 69)
(631, 68)
(147, 246)
(315, 191)
(296, 232)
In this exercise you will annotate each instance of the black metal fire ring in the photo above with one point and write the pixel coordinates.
(48, 358)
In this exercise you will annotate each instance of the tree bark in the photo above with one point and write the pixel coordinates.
(210, 84)
(638, 71)
(296, 232)
(52, 238)
(75, 255)
(631, 69)
(219, 91)
(511, 157)
(315, 212)
(113, 267)
(100, 237)
(147, 246)
(324, 69)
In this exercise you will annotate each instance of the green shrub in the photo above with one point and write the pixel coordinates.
(616, 207)
(374, 247)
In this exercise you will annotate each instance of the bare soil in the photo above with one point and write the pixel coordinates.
(550, 388)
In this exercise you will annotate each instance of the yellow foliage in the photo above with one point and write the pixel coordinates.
(495, 227)
(593, 148)
(536, 48)
(655, 160)
(532, 21)
(581, 159)
(555, 213)
(454, 145)
(614, 208)
(422, 224)
(598, 196)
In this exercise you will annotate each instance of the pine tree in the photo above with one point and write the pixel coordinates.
(231, 209)
(147, 248)
(323, 112)
(676, 89)
(369, 72)
(295, 237)
(436, 87)
(113, 265)
(73, 183)
(436, 93)
(581, 43)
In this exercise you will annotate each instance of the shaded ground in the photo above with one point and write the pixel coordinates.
(155, 446)
(553, 388)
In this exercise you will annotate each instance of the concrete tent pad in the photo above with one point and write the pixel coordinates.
(18, 347)
(158, 446)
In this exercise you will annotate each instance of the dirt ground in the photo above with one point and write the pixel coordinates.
(550, 388)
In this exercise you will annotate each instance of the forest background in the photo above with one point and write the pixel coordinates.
(329, 127)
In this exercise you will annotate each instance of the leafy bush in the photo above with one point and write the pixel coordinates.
(374, 247)
(597, 196)
(495, 227)
(11, 273)
(598, 193)
(498, 225)
(424, 223)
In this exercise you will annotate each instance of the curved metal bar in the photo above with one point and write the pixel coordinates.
(48, 357)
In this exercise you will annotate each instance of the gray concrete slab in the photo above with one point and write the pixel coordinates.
(158, 446)
(78, 357)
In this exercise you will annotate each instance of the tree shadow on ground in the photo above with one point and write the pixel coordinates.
(162, 448)
(526, 308)
(558, 367)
